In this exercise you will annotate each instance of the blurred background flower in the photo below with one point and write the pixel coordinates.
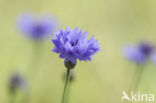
(37, 27)
(140, 52)
(17, 82)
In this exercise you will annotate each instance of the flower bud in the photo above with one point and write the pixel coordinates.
(69, 65)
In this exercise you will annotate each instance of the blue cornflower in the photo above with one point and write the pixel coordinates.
(73, 45)
(36, 28)
(17, 81)
(139, 53)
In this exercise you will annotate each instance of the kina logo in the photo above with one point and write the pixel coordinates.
(137, 97)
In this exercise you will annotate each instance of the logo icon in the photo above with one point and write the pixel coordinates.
(138, 96)
(125, 96)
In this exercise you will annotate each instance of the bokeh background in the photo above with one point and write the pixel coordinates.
(114, 24)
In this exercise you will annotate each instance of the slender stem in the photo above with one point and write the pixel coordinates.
(68, 93)
(25, 98)
(137, 77)
(36, 58)
(12, 97)
(66, 85)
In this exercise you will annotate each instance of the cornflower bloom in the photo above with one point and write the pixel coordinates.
(36, 27)
(140, 54)
(16, 82)
(72, 45)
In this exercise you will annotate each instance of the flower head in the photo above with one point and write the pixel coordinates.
(73, 45)
(139, 53)
(16, 81)
(36, 28)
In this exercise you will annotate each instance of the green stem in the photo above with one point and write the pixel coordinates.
(66, 85)
(68, 93)
(12, 97)
(137, 77)
(25, 98)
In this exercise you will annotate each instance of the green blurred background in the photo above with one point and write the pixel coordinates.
(113, 22)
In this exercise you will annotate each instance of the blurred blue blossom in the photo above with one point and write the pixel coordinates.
(16, 81)
(36, 28)
(73, 45)
(140, 53)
